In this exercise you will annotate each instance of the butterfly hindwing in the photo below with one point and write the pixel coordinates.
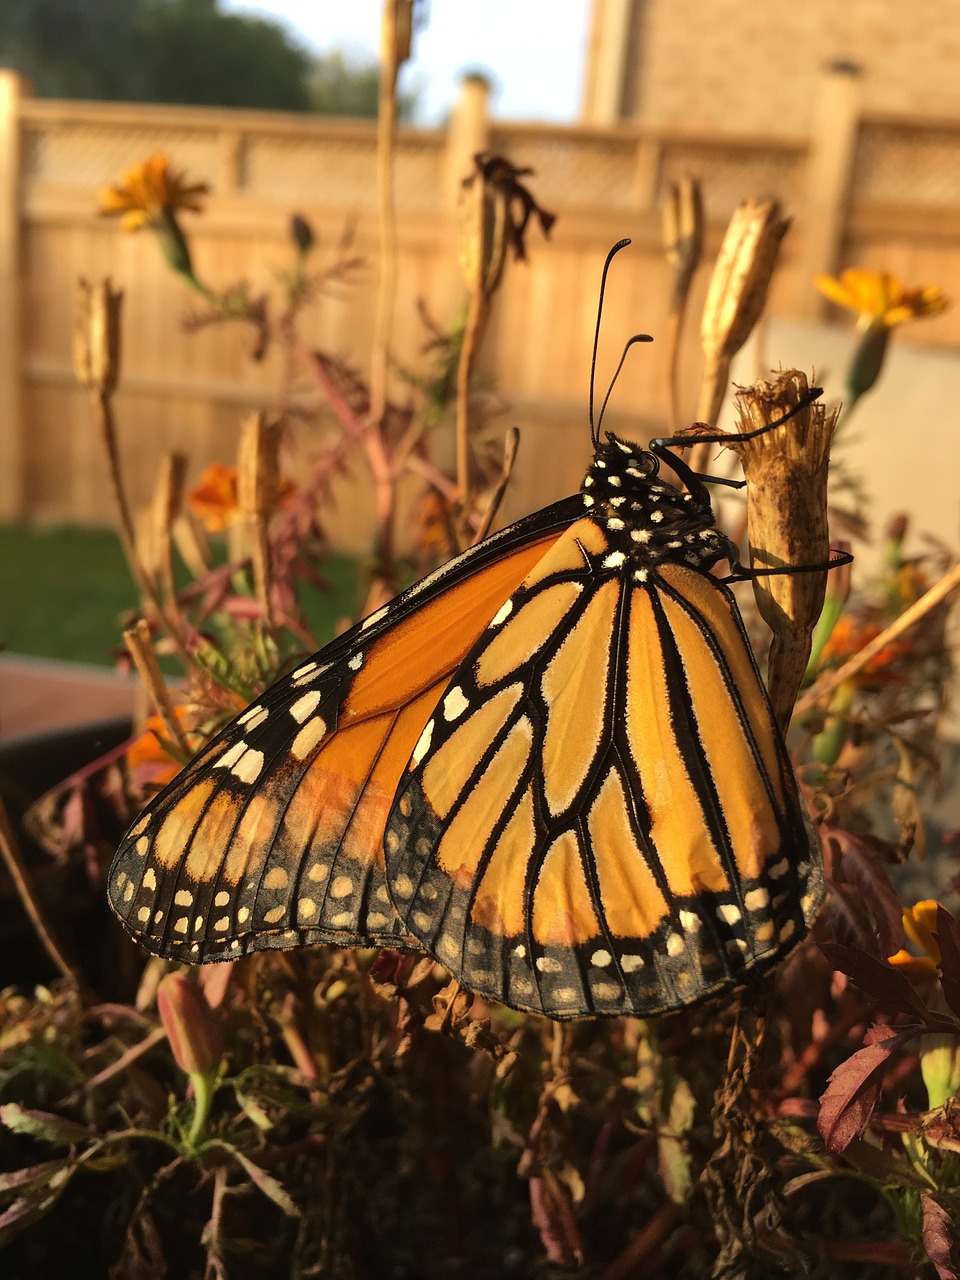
(600, 816)
(273, 835)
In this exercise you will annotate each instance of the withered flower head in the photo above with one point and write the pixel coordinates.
(786, 471)
(495, 210)
(737, 293)
(96, 335)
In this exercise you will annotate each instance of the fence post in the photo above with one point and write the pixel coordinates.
(829, 175)
(13, 87)
(468, 133)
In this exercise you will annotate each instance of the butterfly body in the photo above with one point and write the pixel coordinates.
(551, 763)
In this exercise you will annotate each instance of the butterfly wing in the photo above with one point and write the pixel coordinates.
(272, 836)
(600, 815)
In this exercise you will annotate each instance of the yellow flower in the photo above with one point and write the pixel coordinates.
(149, 192)
(879, 296)
(919, 923)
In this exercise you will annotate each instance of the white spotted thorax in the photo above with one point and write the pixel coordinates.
(647, 520)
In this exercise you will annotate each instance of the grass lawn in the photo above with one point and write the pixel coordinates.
(63, 591)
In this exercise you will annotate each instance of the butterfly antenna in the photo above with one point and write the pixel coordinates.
(621, 244)
(637, 337)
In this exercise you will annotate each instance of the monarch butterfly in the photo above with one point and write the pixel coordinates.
(551, 763)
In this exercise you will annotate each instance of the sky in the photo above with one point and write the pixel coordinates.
(533, 50)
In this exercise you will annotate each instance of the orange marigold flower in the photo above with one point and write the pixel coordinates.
(919, 922)
(147, 759)
(849, 636)
(879, 296)
(149, 192)
(214, 500)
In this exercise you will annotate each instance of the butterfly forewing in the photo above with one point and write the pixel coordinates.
(604, 819)
(273, 835)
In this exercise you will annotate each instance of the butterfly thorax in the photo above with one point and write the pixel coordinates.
(646, 520)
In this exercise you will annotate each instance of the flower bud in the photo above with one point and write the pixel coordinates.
(190, 1024)
(301, 233)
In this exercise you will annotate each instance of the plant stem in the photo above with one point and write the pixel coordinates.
(203, 1091)
(476, 317)
(10, 851)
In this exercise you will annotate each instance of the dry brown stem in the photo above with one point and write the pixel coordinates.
(140, 647)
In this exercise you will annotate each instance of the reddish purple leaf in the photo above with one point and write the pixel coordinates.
(892, 989)
(868, 876)
(553, 1217)
(854, 1089)
(948, 940)
(938, 1236)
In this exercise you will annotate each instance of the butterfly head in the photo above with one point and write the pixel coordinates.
(646, 519)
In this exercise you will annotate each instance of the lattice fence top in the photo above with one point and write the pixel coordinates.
(900, 163)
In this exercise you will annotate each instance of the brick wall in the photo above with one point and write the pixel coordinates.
(750, 66)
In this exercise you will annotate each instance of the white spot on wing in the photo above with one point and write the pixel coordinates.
(756, 900)
(248, 767)
(150, 879)
(254, 716)
(614, 560)
(601, 958)
(308, 737)
(423, 743)
(305, 706)
(183, 898)
(230, 758)
(728, 913)
(454, 704)
(502, 613)
(356, 662)
(630, 964)
(373, 619)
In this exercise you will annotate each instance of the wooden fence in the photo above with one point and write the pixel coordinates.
(881, 192)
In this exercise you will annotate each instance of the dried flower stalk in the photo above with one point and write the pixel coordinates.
(257, 488)
(164, 511)
(140, 648)
(786, 470)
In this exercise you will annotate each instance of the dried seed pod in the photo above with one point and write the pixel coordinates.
(737, 293)
(786, 471)
(96, 336)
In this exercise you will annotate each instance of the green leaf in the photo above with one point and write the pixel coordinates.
(43, 1125)
(269, 1185)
